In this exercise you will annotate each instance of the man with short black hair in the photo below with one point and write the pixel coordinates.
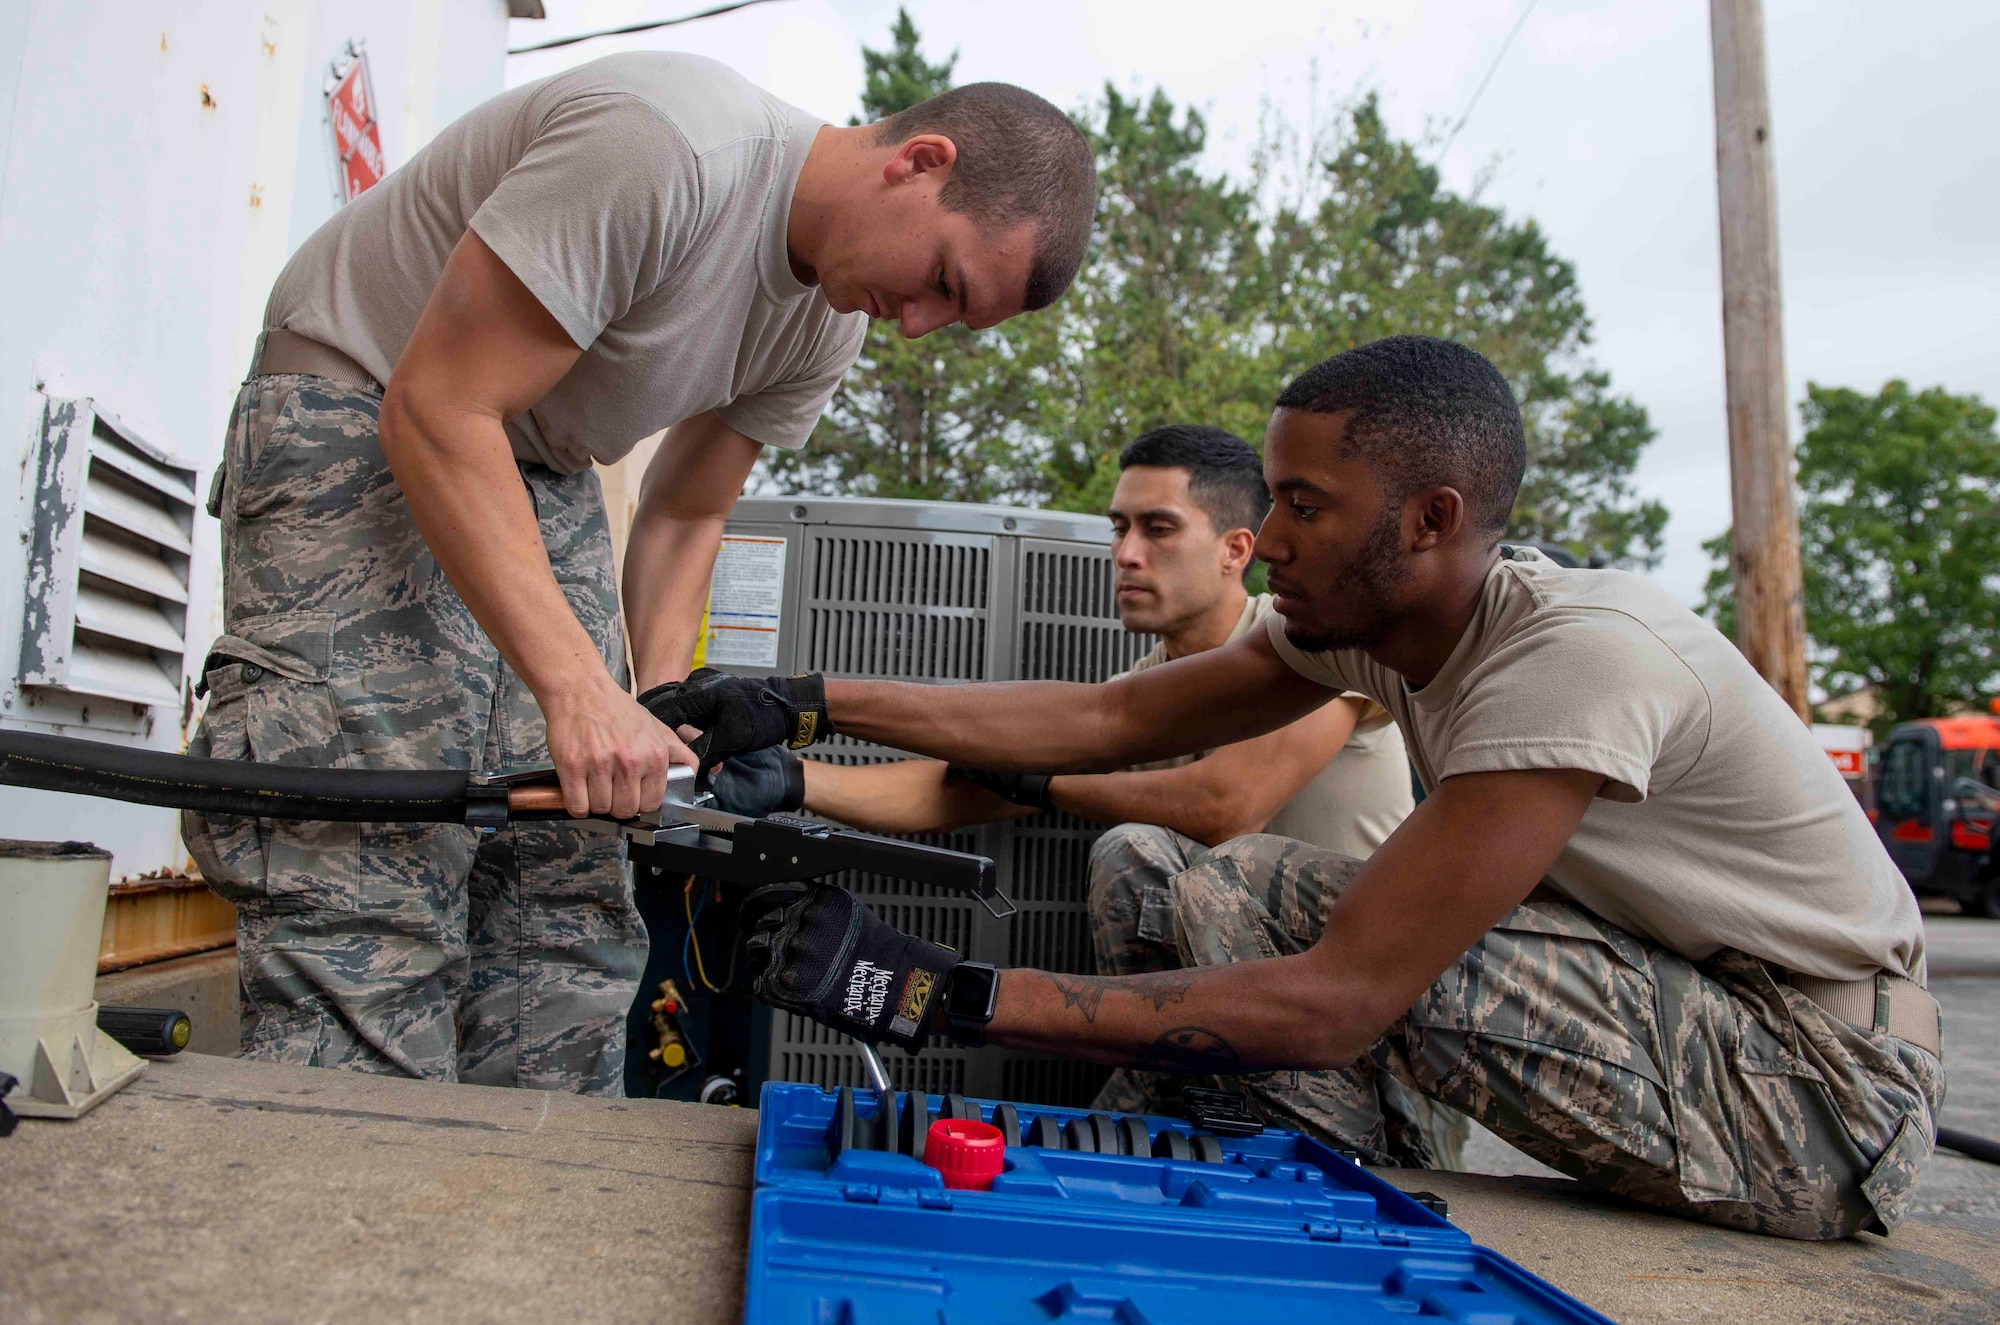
(1638, 927)
(417, 570)
(1225, 477)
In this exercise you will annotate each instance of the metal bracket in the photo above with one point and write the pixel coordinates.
(688, 835)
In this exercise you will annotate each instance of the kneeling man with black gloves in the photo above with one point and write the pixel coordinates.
(1638, 927)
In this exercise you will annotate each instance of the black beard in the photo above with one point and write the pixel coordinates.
(1377, 570)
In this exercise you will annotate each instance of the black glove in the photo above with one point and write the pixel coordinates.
(737, 713)
(1031, 789)
(761, 782)
(820, 953)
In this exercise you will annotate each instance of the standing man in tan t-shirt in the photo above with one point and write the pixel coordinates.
(1638, 927)
(417, 568)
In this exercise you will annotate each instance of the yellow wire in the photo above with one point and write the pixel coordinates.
(694, 940)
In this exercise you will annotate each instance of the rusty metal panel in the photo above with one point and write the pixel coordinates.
(55, 542)
(150, 920)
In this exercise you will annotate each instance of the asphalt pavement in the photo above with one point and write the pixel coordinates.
(1964, 956)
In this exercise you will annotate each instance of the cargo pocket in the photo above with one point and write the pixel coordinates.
(228, 849)
(1890, 1184)
(1706, 1043)
(270, 702)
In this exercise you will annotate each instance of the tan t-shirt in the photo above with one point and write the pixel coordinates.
(643, 199)
(1356, 801)
(1721, 823)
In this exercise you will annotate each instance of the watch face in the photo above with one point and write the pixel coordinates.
(971, 994)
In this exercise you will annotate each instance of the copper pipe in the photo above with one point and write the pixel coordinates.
(535, 800)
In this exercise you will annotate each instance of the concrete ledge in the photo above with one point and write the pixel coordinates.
(1652, 1269)
(218, 1190)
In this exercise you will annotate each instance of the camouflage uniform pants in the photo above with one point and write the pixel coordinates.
(421, 949)
(1132, 868)
(1711, 1089)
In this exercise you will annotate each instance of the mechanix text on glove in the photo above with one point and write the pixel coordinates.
(828, 957)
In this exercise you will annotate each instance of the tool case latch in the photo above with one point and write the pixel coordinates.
(1224, 1112)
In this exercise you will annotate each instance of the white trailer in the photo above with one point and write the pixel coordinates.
(158, 163)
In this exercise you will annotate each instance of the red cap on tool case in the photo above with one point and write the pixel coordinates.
(966, 1152)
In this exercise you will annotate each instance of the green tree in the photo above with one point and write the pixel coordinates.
(947, 416)
(1374, 245)
(1202, 296)
(1899, 523)
(1160, 323)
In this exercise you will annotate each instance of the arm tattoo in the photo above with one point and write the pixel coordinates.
(1078, 991)
(1159, 987)
(1190, 1049)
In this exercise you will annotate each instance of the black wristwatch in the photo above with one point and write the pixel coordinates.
(968, 1001)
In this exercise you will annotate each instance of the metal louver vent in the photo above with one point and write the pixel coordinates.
(1067, 583)
(1069, 617)
(108, 558)
(904, 606)
(889, 570)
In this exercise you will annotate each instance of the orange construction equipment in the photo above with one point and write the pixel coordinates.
(1937, 797)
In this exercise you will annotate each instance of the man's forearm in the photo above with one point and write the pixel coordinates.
(686, 495)
(466, 495)
(1016, 726)
(909, 796)
(1224, 794)
(1215, 698)
(668, 562)
(1247, 1017)
(1178, 798)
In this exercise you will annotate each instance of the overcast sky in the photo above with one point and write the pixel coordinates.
(1598, 122)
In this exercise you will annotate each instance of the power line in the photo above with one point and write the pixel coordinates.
(1491, 69)
(636, 27)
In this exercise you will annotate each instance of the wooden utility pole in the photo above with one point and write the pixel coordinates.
(1770, 608)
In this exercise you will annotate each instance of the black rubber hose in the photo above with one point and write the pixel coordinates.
(228, 786)
(1965, 1143)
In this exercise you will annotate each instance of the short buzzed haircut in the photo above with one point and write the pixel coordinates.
(1424, 412)
(1225, 476)
(1019, 160)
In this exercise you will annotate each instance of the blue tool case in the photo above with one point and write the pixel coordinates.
(1090, 1226)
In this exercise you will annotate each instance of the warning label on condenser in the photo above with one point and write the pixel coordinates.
(744, 597)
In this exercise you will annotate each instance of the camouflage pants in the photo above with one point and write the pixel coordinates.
(1709, 1089)
(1132, 868)
(427, 950)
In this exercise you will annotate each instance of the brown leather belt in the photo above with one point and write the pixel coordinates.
(1881, 1004)
(282, 351)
